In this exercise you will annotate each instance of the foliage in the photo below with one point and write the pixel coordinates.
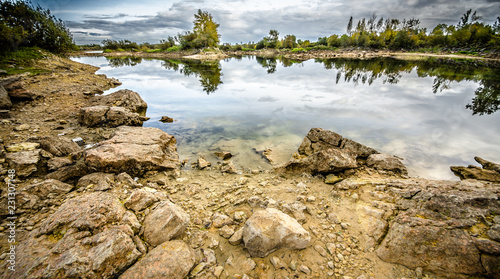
(22, 25)
(204, 33)
(23, 58)
(122, 45)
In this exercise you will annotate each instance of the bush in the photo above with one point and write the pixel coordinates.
(22, 25)
(174, 48)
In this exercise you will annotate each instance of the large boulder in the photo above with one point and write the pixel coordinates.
(172, 259)
(134, 150)
(326, 152)
(268, 230)
(167, 221)
(438, 224)
(123, 98)
(324, 161)
(87, 237)
(104, 116)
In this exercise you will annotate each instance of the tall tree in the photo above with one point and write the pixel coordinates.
(349, 27)
(205, 29)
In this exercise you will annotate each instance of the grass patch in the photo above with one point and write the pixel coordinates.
(21, 61)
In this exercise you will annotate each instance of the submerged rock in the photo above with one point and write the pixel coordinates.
(134, 150)
(270, 229)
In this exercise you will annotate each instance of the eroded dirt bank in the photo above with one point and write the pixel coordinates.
(126, 208)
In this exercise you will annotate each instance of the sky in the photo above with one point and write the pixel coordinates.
(92, 21)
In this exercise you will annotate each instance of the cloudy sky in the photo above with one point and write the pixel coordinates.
(92, 21)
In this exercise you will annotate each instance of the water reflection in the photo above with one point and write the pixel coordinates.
(209, 72)
(444, 71)
(416, 110)
(117, 62)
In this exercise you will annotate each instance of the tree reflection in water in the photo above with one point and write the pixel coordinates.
(444, 71)
(208, 72)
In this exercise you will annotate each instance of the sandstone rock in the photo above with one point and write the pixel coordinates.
(386, 162)
(57, 146)
(332, 179)
(141, 199)
(134, 150)
(229, 167)
(202, 163)
(84, 238)
(58, 162)
(24, 162)
(76, 255)
(220, 220)
(171, 259)
(226, 231)
(487, 165)
(268, 230)
(42, 194)
(103, 116)
(237, 237)
(473, 172)
(167, 221)
(166, 119)
(433, 227)
(5, 102)
(324, 161)
(96, 178)
(22, 127)
(123, 98)
(86, 212)
(69, 172)
(223, 155)
(24, 146)
(440, 250)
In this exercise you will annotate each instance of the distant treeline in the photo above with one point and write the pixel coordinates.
(394, 34)
(368, 33)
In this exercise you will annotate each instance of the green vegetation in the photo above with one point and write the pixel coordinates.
(22, 25)
(21, 61)
(467, 37)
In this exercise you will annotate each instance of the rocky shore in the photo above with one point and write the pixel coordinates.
(96, 195)
(490, 57)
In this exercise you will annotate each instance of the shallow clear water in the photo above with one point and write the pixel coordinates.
(418, 111)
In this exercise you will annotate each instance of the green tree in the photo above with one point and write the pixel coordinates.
(205, 30)
(23, 25)
(289, 41)
(272, 39)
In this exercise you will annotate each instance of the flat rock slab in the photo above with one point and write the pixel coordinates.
(134, 150)
(171, 259)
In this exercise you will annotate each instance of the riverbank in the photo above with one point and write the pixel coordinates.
(123, 207)
(303, 55)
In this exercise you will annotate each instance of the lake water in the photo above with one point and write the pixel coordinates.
(433, 115)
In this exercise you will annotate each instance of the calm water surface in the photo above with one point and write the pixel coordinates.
(432, 115)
